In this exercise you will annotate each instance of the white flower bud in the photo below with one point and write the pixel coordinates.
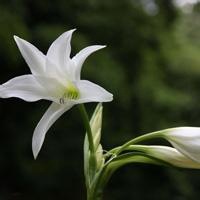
(167, 154)
(186, 140)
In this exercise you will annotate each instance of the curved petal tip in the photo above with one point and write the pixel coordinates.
(15, 37)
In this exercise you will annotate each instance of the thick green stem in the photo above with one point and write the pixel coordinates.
(94, 197)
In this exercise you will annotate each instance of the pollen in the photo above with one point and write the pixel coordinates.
(71, 93)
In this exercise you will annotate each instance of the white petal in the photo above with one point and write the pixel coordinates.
(80, 57)
(33, 57)
(25, 87)
(186, 140)
(90, 92)
(52, 86)
(50, 116)
(52, 69)
(60, 49)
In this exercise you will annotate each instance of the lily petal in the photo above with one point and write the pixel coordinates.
(53, 87)
(80, 57)
(90, 92)
(33, 57)
(51, 115)
(25, 87)
(60, 49)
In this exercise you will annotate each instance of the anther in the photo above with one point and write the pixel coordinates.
(62, 100)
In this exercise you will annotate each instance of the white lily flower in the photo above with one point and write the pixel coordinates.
(55, 77)
(167, 154)
(186, 140)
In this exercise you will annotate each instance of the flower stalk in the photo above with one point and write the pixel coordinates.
(116, 151)
(86, 123)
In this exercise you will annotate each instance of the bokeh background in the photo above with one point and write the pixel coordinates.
(151, 65)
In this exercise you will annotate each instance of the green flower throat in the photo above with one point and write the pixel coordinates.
(71, 93)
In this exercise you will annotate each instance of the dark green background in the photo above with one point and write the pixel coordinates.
(151, 65)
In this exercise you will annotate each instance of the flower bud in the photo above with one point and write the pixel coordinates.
(167, 154)
(186, 140)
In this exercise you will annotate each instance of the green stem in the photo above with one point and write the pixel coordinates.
(118, 150)
(107, 171)
(86, 123)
